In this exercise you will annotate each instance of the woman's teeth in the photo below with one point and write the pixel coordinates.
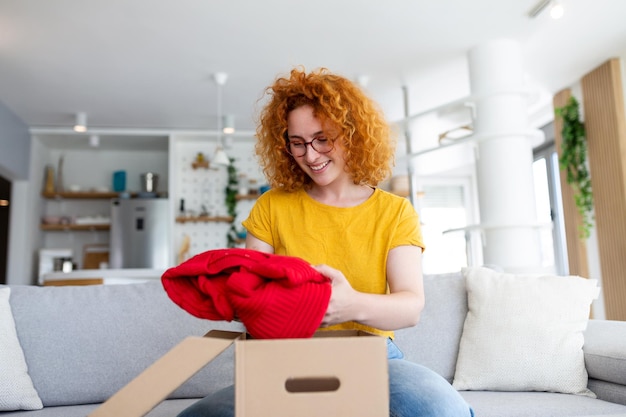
(320, 166)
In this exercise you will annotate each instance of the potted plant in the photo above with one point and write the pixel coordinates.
(231, 202)
(573, 161)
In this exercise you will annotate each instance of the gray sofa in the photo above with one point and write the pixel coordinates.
(84, 343)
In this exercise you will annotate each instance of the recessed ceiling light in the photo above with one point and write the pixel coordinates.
(556, 11)
(81, 122)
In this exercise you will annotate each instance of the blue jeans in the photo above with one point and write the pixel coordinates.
(414, 391)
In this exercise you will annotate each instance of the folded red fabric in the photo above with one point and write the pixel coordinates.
(274, 296)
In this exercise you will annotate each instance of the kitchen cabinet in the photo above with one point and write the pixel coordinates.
(78, 217)
(204, 221)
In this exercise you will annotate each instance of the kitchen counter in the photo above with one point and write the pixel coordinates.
(102, 276)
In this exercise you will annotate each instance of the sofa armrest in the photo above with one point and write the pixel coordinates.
(605, 350)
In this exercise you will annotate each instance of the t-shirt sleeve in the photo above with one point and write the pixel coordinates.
(259, 222)
(408, 231)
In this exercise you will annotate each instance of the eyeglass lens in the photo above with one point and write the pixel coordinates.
(319, 145)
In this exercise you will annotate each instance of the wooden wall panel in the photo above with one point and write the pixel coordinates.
(605, 123)
(576, 247)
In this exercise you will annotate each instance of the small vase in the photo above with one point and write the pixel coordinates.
(49, 180)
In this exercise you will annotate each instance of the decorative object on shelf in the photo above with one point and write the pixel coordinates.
(573, 160)
(149, 182)
(49, 180)
(455, 133)
(253, 187)
(243, 189)
(119, 181)
(200, 161)
(230, 192)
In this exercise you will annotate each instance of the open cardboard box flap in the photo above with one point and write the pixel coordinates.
(333, 373)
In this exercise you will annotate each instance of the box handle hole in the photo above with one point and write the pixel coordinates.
(312, 384)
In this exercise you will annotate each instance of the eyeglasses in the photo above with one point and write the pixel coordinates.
(297, 148)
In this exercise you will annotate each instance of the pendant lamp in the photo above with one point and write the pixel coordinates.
(220, 158)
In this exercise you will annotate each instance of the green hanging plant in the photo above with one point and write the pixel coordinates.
(573, 160)
(230, 192)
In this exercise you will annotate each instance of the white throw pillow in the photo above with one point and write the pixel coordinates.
(16, 388)
(524, 333)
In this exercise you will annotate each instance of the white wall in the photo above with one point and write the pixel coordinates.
(14, 145)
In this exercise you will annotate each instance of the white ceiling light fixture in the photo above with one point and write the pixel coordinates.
(81, 122)
(220, 157)
(228, 123)
(556, 9)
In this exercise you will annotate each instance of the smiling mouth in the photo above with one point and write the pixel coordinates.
(320, 166)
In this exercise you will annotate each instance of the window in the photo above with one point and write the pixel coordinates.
(445, 212)
(549, 208)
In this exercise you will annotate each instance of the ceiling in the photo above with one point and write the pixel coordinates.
(149, 64)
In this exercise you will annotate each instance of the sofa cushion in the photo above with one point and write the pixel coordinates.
(434, 341)
(524, 333)
(538, 404)
(16, 388)
(84, 343)
(605, 350)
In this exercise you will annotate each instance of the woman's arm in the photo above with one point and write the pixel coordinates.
(399, 309)
(255, 243)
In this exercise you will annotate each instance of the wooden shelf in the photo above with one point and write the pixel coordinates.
(74, 227)
(205, 219)
(200, 164)
(80, 195)
(246, 197)
(94, 195)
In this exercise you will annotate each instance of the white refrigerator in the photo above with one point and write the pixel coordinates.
(140, 236)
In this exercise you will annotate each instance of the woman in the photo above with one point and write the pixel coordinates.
(324, 146)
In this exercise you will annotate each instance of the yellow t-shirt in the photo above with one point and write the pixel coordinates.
(355, 240)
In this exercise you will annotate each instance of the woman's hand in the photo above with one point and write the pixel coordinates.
(341, 299)
(398, 309)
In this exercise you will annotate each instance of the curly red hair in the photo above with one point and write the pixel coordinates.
(364, 133)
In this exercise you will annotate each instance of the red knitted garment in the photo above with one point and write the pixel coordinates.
(274, 296)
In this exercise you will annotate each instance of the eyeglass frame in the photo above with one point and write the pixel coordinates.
(310, 143)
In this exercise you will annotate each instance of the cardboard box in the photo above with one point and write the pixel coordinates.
(334, 374)
(342, 373)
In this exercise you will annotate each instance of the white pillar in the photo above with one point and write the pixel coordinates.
(504, 172)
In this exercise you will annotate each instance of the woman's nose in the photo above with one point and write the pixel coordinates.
(311, 154)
